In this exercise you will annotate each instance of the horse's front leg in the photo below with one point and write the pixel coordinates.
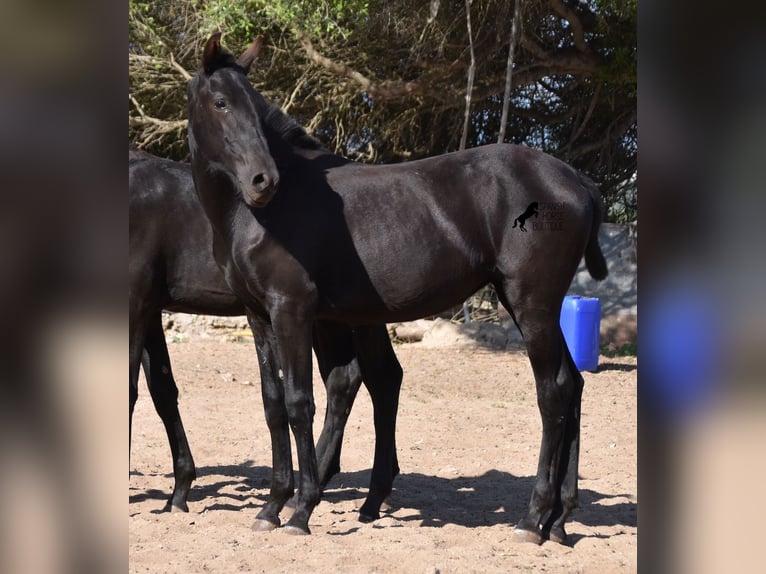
(272, 391)
(293, 331)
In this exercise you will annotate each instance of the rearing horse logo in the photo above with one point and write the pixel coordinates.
(530, 211)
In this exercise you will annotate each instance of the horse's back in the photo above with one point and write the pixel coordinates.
(495, 176)
(471, 196)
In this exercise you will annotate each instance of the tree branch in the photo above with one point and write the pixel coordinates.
(471, 72)
(387, 90)
(618, 126)
(187, 76)
(161, 125)
(588, 114)
(578, 33)
(143, 60)
(515, 23)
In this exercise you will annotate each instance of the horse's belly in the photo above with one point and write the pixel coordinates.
(410, 294)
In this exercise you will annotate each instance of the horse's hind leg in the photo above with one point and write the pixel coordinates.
(567, 479)
(339, 354)
(342, 377)
(559, 389)
(164, 392)
(556, 390)
(382, 375)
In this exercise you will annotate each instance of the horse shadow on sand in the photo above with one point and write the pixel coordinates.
(232, 492)
(493, 498)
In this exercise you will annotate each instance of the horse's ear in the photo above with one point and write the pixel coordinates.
(211, 55)
(250, 54)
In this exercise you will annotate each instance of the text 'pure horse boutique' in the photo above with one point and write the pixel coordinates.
(551, 217)
(548, 216)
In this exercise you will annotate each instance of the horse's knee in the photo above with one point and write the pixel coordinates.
(385, 379)
(300, 409)
(165, 398)
(184, 470)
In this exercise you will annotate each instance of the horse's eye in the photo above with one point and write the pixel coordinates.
(220, 104)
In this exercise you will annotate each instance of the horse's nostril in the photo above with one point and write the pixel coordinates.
(260, 180)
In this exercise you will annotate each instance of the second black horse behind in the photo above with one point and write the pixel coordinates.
(171, 266)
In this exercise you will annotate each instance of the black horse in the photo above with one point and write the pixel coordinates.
(171, 266)
(305, 234)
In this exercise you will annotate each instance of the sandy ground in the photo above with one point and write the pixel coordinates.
(468, 436)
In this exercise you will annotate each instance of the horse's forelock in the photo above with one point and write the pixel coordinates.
(222, 60)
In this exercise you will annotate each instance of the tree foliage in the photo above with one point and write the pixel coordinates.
(386, 81)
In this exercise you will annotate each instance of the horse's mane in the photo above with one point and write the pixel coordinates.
(274, 119)
(135, 153)
(285, 127)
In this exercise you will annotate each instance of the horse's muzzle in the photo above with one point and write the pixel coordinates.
(261, 190)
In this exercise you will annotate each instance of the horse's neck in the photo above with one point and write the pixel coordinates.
(286, 138)
(287, 153)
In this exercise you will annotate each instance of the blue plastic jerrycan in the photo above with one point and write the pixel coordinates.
(581, 323)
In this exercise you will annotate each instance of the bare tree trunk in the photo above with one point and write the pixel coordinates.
(468, 92)
(516, 22)
(471, 72)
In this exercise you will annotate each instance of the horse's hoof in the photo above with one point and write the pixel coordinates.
(521, 535)
(176, 506)
(368, 513)
(366, 517)
(295, 531)
(558, 536)
(261, 525)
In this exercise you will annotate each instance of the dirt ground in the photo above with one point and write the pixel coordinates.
(468, 436)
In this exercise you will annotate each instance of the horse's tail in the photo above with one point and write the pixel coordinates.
(594, 257)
